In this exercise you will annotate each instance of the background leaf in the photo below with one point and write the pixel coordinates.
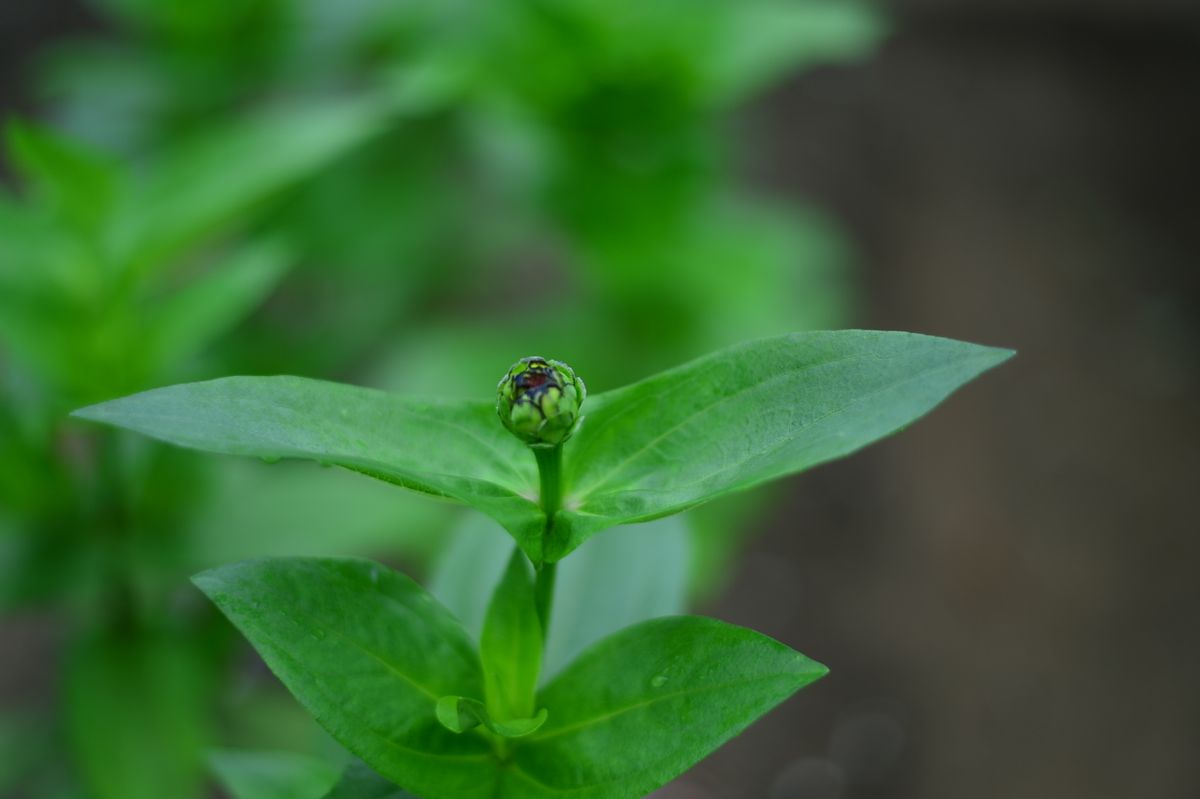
(616, 580)
(628, 575)
(187, 320)
(360, 782)
(78, 184)
(273, 775)
(294, 508)
(368, 653)
(644, 705)
(748, 414)
(766, 39)
(204, 185)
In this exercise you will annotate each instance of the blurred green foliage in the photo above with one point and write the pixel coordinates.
(409, 194)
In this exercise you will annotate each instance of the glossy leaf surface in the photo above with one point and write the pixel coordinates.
(446, 448)
(748, 414)
(370, 654)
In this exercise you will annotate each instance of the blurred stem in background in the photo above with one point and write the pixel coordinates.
(407, 194)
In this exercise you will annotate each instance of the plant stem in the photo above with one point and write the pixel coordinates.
(549, 461)
(543, 594)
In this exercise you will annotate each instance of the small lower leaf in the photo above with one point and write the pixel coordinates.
(460, 714)
(519, 728)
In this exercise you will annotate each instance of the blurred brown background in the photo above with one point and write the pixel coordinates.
(1006, 594)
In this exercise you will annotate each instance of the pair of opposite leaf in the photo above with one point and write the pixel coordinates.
(722, 423)
(636, 709)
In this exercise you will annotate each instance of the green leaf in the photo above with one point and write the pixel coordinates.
(451, 449)
(767, 39)
(748, 414)
(644, 705)
(81, 185)
(273, 775)
(460, 714)
(722, 423)
(360, 782)
(511, 644)
(189, 317)
(368, 653)
(205, 185)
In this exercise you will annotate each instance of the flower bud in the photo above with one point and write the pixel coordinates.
(539, 400)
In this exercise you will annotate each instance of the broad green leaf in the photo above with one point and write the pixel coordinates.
(189, 317)
(511, 644)
(644, 705)
(748, 414)
(369, 654)
(137, 708)
(625, 576)
(460, 714)
(360, 782)
(452, 449)
(273, 775)
(722, 423)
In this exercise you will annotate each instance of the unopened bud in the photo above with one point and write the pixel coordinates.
(538, 400)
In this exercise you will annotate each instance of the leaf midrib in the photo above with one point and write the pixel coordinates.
(654, 700)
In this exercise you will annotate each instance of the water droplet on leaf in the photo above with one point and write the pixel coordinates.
(659, 681)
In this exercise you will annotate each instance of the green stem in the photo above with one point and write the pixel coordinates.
(549, 461)
(543, 594)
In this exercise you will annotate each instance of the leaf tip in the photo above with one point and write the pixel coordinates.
(1001, 354)
(207, 581)
(91, 413)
